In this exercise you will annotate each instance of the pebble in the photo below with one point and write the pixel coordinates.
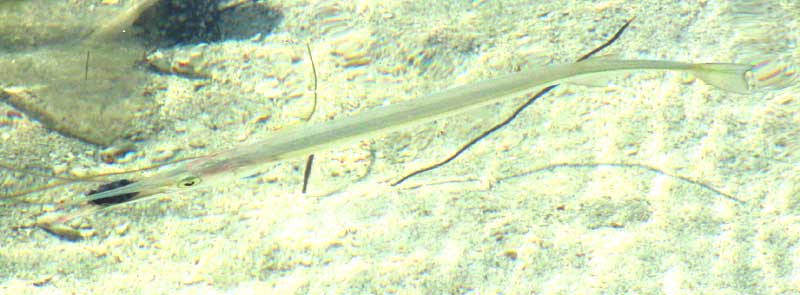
(353, 47)
(164, 153)
(58, 169)
(122, 228)
(79, 172)
(187, 61)
(116, 152)
(198, 141)
(687, 78)
(191, 279)
(99, 250)
(268, 89)
(63, 230)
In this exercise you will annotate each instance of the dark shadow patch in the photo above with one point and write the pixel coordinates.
(121, 198)
(78, 69)
(177, 22)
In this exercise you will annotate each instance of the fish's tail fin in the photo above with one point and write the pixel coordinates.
(726, 76)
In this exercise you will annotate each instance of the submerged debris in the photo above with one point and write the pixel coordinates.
(63, 231)
(116, 152)
(186, 61)
(83, 75)
(87, 82)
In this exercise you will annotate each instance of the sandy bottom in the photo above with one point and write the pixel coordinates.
(615, 189)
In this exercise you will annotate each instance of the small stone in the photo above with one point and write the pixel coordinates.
(687, 78)
(187, 61)
(122, 228)
(79, 172)
(262, 117)
(48, 224)
(99, 251)
(198, 142)
(268, 89)
(116, 151)
(59, 169)
(180, 128)
(192, 279)
(163, 155)
(511, 254)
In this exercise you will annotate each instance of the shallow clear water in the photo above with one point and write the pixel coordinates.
(609, 185)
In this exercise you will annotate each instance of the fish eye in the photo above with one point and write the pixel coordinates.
(189, 181)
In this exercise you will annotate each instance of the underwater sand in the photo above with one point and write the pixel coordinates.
(502, 219)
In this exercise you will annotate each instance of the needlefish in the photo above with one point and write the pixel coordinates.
(303, 140)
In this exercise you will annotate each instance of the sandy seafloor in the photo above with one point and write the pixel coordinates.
(492, 222)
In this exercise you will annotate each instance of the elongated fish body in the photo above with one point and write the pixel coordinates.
(301, 141)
